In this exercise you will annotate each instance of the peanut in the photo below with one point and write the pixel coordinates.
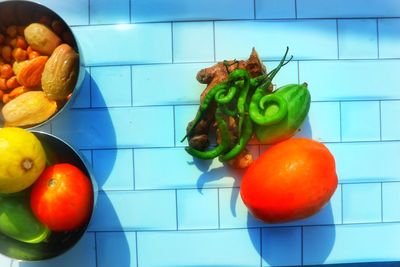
(17, 91)
(6, 53)
(6, 71)
(21, 43)
(3, 84)
(12, 30)
(19, 54)
(12, 82)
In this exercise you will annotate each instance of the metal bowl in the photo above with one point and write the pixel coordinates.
(21, 12)
(57, 151)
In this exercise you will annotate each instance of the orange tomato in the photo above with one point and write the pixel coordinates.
(292, 180)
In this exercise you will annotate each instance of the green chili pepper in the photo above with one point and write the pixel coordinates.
(226, 140)
(230, 112)
(254, 108)
(241, 102)
(212, 94)
(221, 97)
(204, 106)
(245, 137)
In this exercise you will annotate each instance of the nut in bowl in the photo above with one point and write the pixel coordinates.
(47, 195)
(40, 64)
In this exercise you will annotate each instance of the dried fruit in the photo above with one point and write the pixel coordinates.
(60, 72)
(29, 108)
(30, 73)
(41, 38)
(17, 66)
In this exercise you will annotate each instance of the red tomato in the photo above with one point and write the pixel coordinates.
(292, 180)
(62, 197)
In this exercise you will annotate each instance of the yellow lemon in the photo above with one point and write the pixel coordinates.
(22, 159)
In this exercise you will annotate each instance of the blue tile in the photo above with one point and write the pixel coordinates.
(389, 39)
(362, 203)
(101, 12)
(125, 43)
(259, 34)
(358, 38)
(113, 169)
(116, 127)
(322, 123)
(74, 12)
(389, 111)
(350, 243)
(116, 249)
(287, 74)
(197, 210)
(349, 81)
(360, 121)
(347, 9)
(199, 248)
(275, 9)
(366, 162)
(130, 210)
(111, 86)
(149, 91)
(178, 10)
(83, 254)
(277, 242)
(390, 198)
(193, 41)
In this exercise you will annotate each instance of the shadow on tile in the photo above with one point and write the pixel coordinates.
(122, 250)
(89, 129)
(293, 243)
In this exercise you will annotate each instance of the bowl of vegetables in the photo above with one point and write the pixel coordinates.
(47, 195)
(40, 64)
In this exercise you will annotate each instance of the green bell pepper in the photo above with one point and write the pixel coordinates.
(17, 220)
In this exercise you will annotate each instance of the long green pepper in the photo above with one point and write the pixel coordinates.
(242, 99)
(226, 140)
(209, 97)
(245, 137)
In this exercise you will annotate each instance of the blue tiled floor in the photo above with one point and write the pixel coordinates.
(158, 207)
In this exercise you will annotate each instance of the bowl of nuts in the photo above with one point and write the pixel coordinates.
(40, 64)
